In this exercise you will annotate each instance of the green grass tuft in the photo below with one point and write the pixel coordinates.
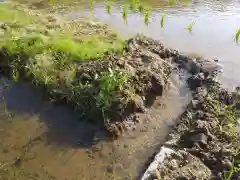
(237, 36)
(10, 14)
(163, 20)
(190, 27)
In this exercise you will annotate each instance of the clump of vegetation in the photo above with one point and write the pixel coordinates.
(125, 13)
(163, 20)
(190, 27)
(82, 70)
(108, 7)
(147, 16)
(51, 61)
(237, 36)
(12, 15)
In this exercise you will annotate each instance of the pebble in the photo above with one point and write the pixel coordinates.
(155, 175)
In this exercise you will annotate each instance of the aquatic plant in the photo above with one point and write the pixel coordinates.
(190, 27)
(147, 16)
(125, 13)
(109, 7)
(171, 2)
(163, 20)
(50, 2)
(237, 36)
(134, 4)
(141, 8)
(92, 4)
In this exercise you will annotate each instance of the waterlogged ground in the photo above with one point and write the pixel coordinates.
(42, 141)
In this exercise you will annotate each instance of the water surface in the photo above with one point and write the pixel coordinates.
(42, 141)
(216, 23)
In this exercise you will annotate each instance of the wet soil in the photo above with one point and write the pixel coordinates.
(48, 141)
(206, 138)
(44, 141)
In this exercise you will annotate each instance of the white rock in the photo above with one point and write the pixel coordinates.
(159, 158)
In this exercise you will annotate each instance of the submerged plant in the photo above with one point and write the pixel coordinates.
(163, 20)
(190, 26)
(237, 36)
(147, 16)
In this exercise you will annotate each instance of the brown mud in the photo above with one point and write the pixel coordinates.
(206, 140)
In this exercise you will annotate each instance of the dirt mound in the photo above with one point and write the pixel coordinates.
(207, 131)
(144, 75)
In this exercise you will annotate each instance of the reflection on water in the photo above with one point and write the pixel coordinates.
(42, 141)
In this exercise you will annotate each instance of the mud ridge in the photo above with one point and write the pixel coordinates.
(205, 144)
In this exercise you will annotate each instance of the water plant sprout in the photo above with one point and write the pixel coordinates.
(163, 20)
(190, 27)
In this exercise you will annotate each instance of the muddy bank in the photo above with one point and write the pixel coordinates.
(100, 76)
(205, 144)
(115, 86)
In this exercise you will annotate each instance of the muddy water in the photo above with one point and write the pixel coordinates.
(42, 141)
(216, 23)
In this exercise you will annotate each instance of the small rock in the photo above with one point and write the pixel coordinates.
(200, 139)
(173, 164)
(18, 161)
(171, 143)
(109, 169)
(155, 175)
(215, 59)
(195, 103)
(139, 103)
(226, 164)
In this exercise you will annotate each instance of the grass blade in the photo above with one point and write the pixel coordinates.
(124, 14)
(147, 16)
(108, 7)
(237, 36)
(163, 20)
(171, 2)
(92, 4)
(140, 8)
(190, 26)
